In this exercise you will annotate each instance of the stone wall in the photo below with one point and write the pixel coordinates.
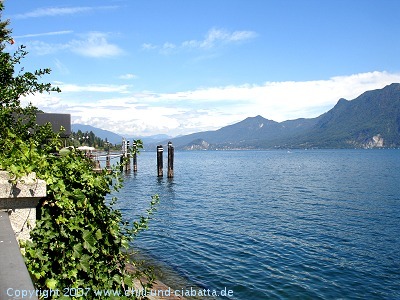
(20, 201)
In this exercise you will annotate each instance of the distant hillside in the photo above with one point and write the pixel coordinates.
(116, 138)
(370, 120)
(101, 133)
(150, 142)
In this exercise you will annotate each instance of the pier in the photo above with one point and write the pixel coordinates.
(124, 159)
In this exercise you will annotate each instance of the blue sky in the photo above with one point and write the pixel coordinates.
(144, 67)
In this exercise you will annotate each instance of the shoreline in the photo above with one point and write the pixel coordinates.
(158, 291)
(166, 279)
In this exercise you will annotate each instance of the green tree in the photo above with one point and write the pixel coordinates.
(80, 240)
(16, 84)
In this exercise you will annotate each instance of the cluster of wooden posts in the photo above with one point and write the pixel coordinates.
(125, 159)
(160, 150)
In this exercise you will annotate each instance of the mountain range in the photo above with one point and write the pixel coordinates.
(368, 121)
(115, 138)
(372, 120)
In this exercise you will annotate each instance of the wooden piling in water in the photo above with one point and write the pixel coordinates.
(160, 160)
(170, 172)
(134, 157)
(128, 157)
(123, 155)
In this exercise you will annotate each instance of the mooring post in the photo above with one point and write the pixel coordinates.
(160, 160)
(170, 173)
(123, 154)
(128, 157)
(134, 156)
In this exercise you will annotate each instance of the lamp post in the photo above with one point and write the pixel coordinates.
(83, 138)
(108, 163)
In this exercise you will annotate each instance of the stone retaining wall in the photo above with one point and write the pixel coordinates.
(20, 201)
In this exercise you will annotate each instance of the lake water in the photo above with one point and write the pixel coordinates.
(299, 224)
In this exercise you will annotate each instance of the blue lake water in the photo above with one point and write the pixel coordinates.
(305, 224)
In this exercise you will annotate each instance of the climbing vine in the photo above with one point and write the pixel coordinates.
(80, 241)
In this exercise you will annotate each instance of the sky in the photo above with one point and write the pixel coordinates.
(147, 67)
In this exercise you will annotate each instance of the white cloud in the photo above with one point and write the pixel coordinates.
(93, 44)
(148, 46)
(43, 48)
(98, 88)
(215, 37)
(44, 101)
(63, 69)
(128, 76)
(60, 11)
(185, 112)
(43, 34)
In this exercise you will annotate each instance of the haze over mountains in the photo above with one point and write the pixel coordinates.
(370, 120)
(115, 138)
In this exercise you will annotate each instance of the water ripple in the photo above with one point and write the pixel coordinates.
(270, 225)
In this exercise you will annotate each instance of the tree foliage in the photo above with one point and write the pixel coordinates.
(80, 240)
(87, 138)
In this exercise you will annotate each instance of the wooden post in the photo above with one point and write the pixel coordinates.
(160, 160)
(128, 157)
(121, 162)
(121, 159)
(170, 173)
(134, 157)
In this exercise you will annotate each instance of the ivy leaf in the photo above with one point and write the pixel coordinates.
(77, 250)
(89, 241)
(79, 195)
(117, 279)
(51, 283)
(84, 262)
(73, 273)
(99, 236)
